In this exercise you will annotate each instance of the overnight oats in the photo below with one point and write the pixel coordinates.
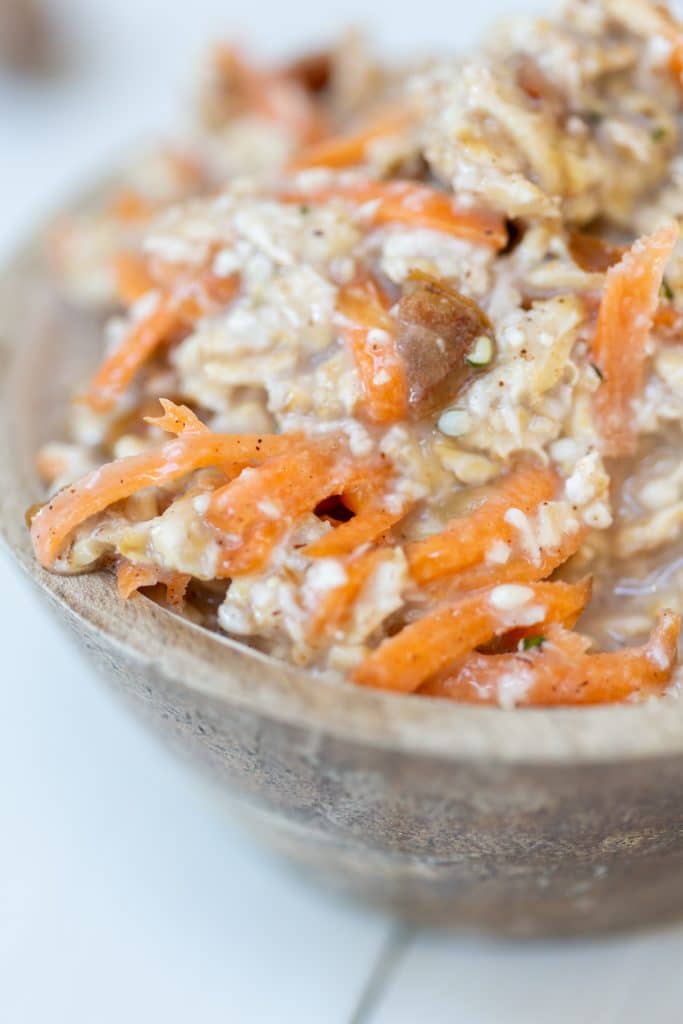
(394, 388)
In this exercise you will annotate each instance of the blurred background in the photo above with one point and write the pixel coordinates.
(123, 69)
(126, 891)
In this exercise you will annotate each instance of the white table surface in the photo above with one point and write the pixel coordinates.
(126, 892)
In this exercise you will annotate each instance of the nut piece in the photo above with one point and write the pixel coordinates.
(437, 327)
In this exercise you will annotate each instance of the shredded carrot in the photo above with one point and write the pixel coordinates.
(444, 636)
(347, 150)
(133, 279)
(668, 323)
(116, 480)
(561, 672)
(176, 419)
(176, 584)
(367, 499)
(365, 528)
(273, 95)
(676, 59)
(466, 541)
(138, 345)
(287, 102)
(657, 21)
(256, 510)
(408, 202)
(520, 567)
(370, 333)
(618, 675)
(175, 310)
(188, 168)
(627, 308)
(336, 607)
(130, 205)
(132, 576)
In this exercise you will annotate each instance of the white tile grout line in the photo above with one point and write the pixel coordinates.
(382, 971)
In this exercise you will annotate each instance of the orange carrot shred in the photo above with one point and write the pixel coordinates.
(117, 480)
(260, 506)
(176, 309)
(176, 419)
(561, 672)
(138, 345)
(444, 636)
(519, 567)
(133, 279)
(336, 607)
(274, 95)
(676, 59)
(132, 576)
(627, 308)
(347, 150)
(366, 498)
(365, 528)
(129, 205)
(408, 202)
(668, 323)
(287, 102)
(369, 331)
(176, 584)
(466, 540)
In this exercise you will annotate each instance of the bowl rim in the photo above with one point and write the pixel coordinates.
(230, 674)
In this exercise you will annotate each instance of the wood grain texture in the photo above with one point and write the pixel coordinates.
(524, 822)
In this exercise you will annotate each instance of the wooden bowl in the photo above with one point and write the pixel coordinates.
(524, 822)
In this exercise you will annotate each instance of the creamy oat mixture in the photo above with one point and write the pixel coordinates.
(245, 120)
(419, 342)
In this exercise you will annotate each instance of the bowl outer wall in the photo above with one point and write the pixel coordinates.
(519, 820)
